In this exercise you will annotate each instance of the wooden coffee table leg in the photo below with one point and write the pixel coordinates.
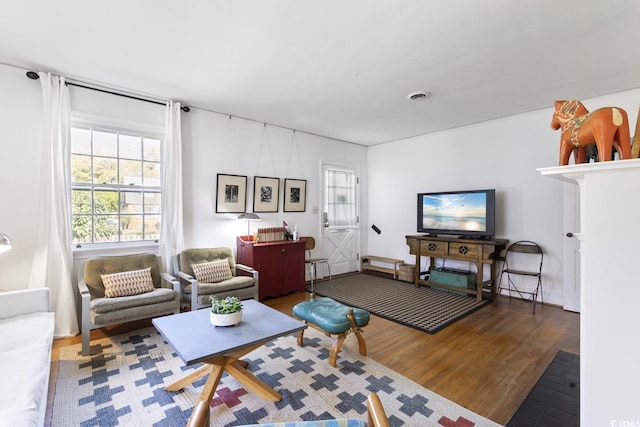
(188, 379)
(250, 381)
(212, 383)
(234, 367)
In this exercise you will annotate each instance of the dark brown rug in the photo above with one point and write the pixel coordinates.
(424, 308)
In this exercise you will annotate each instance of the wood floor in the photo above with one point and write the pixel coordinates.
(486, 362)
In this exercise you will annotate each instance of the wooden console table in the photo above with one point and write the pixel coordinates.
(478, 251)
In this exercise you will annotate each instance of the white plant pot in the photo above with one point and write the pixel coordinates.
(225, 319)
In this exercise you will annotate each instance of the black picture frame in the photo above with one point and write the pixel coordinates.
(266, 194)
(295, 195)
(231, 193)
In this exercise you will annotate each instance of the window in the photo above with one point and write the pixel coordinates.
(341, 198)
(115, 184)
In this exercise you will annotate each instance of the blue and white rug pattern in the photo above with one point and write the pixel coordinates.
(123, 384)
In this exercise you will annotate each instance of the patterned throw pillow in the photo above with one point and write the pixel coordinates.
(212, 272)
(127, 283)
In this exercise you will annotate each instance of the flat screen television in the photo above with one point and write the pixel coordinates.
(461, 213)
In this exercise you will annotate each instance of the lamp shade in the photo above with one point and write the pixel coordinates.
(248, 216)
(5, 243)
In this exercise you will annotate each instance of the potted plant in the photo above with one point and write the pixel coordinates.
(226, 311)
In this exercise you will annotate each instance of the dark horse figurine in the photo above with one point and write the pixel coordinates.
(607, 128)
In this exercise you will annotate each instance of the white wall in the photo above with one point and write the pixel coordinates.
(20, 131)
(502, 154)
(212, 144)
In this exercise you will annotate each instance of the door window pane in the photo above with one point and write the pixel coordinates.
(341, 190)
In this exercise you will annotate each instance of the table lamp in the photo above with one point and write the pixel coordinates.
(249, 216)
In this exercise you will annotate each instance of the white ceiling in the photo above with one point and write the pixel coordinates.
(337, 68)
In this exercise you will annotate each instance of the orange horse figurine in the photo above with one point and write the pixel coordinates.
(607, 128)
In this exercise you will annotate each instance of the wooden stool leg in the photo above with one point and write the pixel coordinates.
(335, 349)
(301, 338)
(362, 345)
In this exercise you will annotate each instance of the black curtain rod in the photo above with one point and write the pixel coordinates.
(34, 76)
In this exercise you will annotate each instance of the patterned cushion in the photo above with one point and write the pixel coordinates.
(127, 283)
(212, 272)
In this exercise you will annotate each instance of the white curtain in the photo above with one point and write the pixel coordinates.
(52, 260)
(172, 234)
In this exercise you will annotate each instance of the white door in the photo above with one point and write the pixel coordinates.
(340, 217)
(571, 247)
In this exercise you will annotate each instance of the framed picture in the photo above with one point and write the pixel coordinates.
(295, 195)
(231, 194)
(266, 194)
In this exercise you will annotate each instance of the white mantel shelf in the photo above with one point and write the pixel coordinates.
(609, 289)
(574, 173)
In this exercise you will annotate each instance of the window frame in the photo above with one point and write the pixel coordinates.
(101, 123)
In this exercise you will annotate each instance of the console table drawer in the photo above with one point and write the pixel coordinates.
(464, 250)
(433, 248)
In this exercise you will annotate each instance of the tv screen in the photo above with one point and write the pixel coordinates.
(463, 213)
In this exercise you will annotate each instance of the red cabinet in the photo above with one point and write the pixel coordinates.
(280, 264)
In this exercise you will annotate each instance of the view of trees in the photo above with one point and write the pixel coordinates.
(116, 187)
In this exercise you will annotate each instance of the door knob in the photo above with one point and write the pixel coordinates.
(569, 234)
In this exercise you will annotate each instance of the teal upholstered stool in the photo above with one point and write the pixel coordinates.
(333, 317)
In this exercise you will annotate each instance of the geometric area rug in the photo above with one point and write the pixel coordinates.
(425, 308)
(123, 385)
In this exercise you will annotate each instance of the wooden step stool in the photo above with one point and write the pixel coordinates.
(332, 317)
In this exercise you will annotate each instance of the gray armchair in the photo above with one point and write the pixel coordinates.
(196, 293)
(119, 289)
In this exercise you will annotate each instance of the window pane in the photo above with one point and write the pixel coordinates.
(131, 202)
(130, 147)
(81, 228)
(151, 174)
(105, 171)
(152, 149)
(81, 201)
(341, 198)
(105, 228)
(81, 141)
(106, 202)
(130, 172)
(132, 227)
(105, 144)
(152, 227)
(152, 203)
(80, 168)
